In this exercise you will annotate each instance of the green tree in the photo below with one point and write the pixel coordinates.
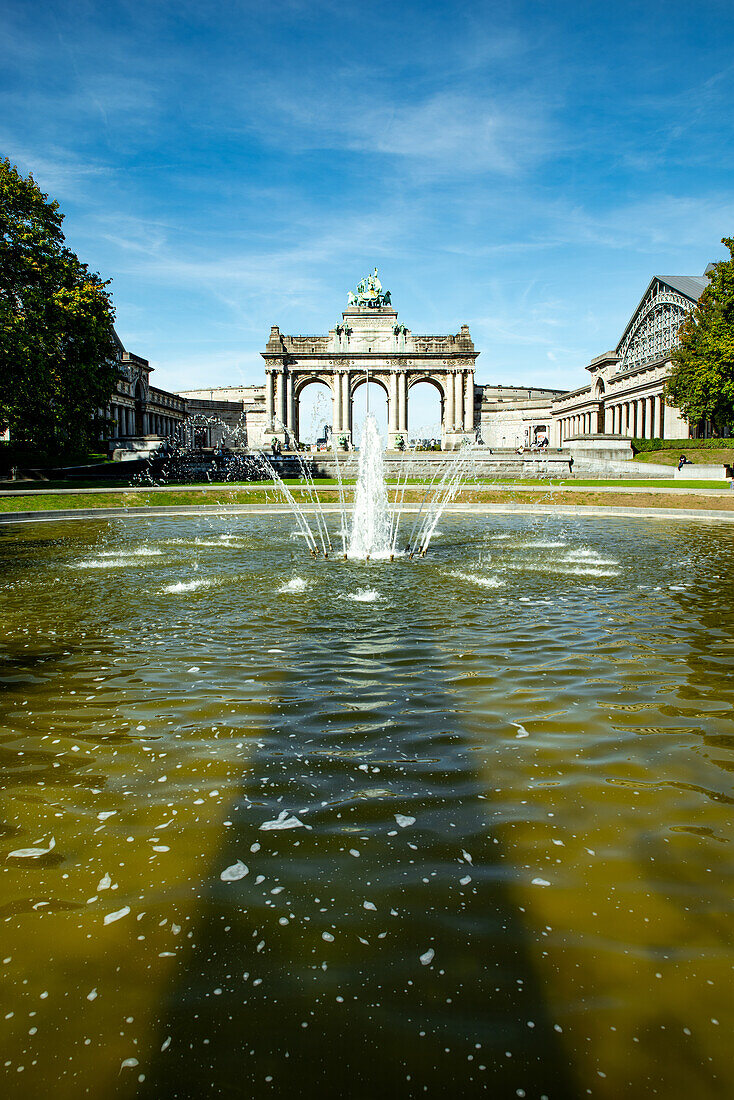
(58, 356)
(701, 382)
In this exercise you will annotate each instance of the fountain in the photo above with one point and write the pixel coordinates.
(371, 531)
(374, 524)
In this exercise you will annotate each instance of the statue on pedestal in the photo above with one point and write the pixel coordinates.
(369, 293)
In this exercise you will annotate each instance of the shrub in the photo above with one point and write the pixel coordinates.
(719, 444)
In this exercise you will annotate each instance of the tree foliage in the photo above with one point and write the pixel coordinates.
(58, 356)
(701, 382)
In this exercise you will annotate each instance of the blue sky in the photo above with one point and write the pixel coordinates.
(521, 167)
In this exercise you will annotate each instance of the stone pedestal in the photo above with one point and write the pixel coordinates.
(334, 443)
(452, 441)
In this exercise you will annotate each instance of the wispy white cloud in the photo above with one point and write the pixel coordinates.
(448, 132)
(58, 172)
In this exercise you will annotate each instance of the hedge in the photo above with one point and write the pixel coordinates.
(682, 444)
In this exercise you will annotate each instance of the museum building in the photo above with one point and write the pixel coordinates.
(625, 395)
(137, 409)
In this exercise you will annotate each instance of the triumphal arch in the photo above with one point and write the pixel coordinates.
(370, 344)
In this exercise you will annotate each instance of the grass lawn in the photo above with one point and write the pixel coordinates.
(258, 495)
(698, 456)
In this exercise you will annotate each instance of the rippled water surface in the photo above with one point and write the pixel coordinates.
(281, 827)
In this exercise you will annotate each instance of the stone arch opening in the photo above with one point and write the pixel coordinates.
(314, 411)
(426, 402)
(378, 394)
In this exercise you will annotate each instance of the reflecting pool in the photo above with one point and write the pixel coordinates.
(276, 826)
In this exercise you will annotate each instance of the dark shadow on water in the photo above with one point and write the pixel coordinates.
(265, 1004)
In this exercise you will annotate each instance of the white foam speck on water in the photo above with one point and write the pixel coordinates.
(32, 853)
(217, 544)
(589, 557)
(110, 918)
(284, 820)
(562, 567)
(187, 586)
(295, 584)
(364, 595)
(427, 956)
(137, 552)
(591, 571)
(235, 872)
(465, 880)
(543, 545)
(540, 882)
(102, 563)
(404, 820)
(474, 578)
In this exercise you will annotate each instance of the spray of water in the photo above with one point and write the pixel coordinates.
(371, 535)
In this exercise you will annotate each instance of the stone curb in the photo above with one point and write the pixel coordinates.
(507, 486)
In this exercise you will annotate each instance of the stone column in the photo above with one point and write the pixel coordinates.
(449, 404)
(336, 412)
(288, 418)
(280, 397)
(269, 400)
(346, 402)
(468, 401)
(459, 400)
(392, 402)
(402, 402)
